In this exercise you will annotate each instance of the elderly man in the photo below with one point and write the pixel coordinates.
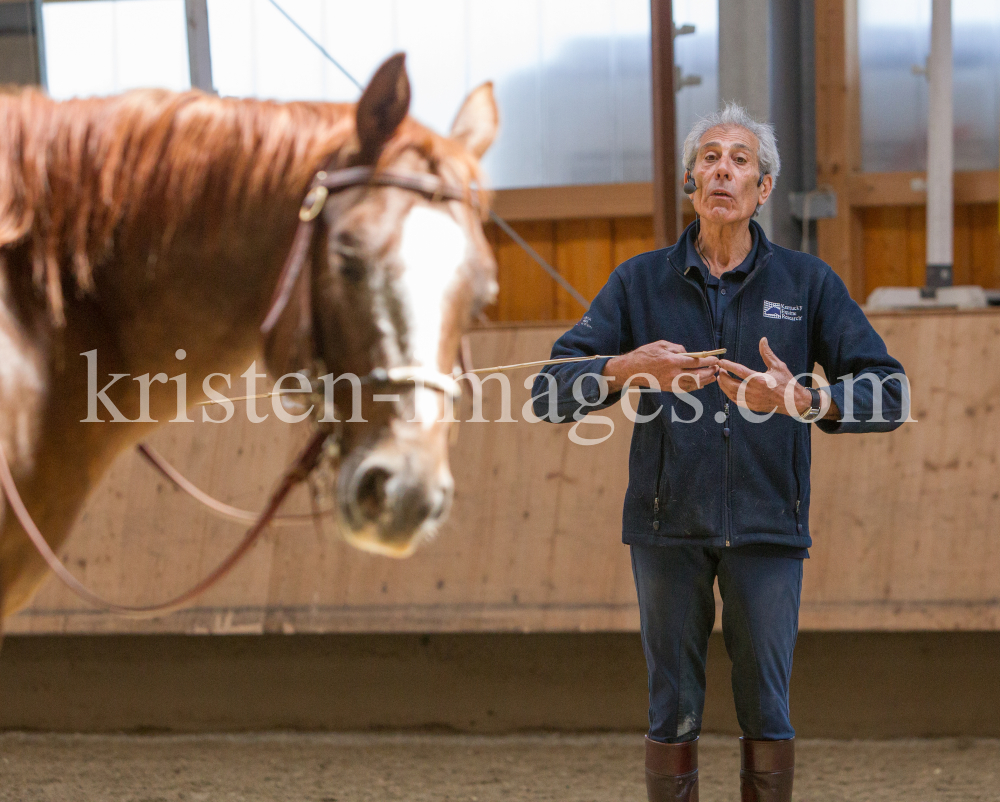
(719, 463)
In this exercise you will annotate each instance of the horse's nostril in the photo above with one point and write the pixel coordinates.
(371, 492)
(441, 498)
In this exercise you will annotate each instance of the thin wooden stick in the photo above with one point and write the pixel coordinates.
(703, 354)
(502, 368)
(494, 369)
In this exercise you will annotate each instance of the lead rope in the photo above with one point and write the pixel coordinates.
(219, 508)
(295, 474)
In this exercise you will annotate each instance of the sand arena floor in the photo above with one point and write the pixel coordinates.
(419, 768)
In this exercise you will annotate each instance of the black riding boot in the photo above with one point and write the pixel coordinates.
(766, 770)
(672, 771)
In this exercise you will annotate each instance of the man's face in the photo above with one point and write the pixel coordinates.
(726, 172)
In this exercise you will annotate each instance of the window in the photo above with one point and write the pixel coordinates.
(101, 47)
(697, 55)
(572, 77)
(893, 39)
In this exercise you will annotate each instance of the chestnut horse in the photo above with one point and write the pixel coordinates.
(142, 225)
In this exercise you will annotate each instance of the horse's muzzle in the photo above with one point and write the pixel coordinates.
(391, 503)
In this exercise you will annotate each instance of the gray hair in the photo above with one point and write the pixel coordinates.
(736, 116)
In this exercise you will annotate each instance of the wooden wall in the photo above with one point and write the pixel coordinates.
(891, 252)
(584, 251)
(905, 524)
(895, 246)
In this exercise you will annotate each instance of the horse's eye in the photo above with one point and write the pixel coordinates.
(352, 268)
(352, 265)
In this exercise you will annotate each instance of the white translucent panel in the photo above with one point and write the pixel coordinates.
(893, 39)
(697, 54)
(508, 51)
(571, 76)
(358, 36)
(101, 47)
(432, 33)
(578, 118)
(976, 26)
(574, 91)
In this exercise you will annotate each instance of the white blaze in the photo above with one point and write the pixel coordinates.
(19, 382)
(432, 250)
(17, 372)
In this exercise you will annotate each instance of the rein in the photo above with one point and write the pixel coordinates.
(294, 474)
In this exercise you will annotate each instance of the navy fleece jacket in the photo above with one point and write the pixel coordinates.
(716, 478)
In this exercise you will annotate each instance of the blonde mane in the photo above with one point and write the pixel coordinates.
(79, 178)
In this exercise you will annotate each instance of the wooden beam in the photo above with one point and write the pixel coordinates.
(838, 136)
(664, 124)
(910, 189)
(574, 202)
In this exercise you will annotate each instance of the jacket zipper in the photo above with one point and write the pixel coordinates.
(725, 402)
(727, 430)
(737, 305)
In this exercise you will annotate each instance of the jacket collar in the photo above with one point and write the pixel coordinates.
(676, 252)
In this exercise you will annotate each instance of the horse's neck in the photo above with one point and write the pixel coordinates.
(205, 288)
(205, 298)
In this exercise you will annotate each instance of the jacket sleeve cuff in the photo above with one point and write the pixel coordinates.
(590, 390)
(834, 425)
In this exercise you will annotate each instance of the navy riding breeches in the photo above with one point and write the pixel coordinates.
(760, 619)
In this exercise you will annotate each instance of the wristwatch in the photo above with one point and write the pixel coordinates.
(815, 406)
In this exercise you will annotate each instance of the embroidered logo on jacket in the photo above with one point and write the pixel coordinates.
(778, 311)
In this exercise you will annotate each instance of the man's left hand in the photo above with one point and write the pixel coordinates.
(765, 392)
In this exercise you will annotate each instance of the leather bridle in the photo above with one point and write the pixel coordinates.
(325, 184)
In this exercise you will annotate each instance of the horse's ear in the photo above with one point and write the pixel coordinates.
(383, 105)
(477, 121)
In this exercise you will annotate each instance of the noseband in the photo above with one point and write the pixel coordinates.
(323, 185)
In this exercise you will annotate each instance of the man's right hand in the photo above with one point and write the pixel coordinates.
(663, 361)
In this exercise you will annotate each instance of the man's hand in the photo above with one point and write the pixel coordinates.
(662, 361)
(765, 392)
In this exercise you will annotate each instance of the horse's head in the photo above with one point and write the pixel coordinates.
(398, 270)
